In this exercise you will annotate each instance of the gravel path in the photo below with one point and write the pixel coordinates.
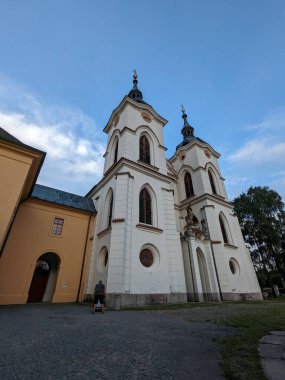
(67, 342)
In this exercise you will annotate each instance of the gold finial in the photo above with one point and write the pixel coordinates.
(135, 74)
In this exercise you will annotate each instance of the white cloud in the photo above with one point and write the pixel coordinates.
(261, 160)
(273, 122)
(71, 139)
(259, 151)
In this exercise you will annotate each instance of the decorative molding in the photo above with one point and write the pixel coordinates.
(124, 173)
(118, 220)
(148, 165)
(210, 206)
(138, 106)
(149, 227)
(216, 242)
(132, 165)
(163, 147)
(104, 232)
(227, 245)
(192, 143)
(168, 190)
(218, 196)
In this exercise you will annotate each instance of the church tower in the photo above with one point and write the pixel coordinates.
(136, 247)
(216, 261)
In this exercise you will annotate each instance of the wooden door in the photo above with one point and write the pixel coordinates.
(39, 282)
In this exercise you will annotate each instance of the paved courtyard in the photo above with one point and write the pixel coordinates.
(67, 342)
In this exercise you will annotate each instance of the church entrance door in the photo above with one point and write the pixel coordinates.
(44, 278)
(203, 275)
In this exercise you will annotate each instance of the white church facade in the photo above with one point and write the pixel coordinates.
(164, 228)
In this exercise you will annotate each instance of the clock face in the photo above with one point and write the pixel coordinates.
(146, 117)
(207, 153)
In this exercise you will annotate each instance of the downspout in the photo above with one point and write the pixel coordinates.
(83, 259)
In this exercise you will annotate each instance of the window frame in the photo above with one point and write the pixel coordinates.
(116, 145)
(188, 185)
(145, 209)
(57, 227)
(144, 149)
(213, 183)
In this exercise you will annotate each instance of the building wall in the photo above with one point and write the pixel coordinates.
(15, 167)
(216, 252)
(31, 237)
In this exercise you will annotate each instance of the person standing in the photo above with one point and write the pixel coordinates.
(99, 295)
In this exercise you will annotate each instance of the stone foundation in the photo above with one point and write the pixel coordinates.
(117, 300)
(203, 297)
(242, 296)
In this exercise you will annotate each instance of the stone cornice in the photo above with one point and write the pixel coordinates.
(124, 173)
(114, 170)
(132, 131)
(104, 232)
(149, 228)
(204, 197)
(204, 168)
(140, 106)
(192, 143)
(231, 246)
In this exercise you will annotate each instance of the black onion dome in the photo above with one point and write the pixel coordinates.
(187, 131)
(135, 93)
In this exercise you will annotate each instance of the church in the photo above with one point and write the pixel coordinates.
(153, 229)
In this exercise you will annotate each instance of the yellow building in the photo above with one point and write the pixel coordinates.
(45, 233)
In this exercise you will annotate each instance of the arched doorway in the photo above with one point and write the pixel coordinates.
(204, 277)
(44, 278)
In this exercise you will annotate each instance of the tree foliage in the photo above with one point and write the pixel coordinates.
(262, 218)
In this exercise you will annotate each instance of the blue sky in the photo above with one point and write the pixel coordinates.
(65, 65)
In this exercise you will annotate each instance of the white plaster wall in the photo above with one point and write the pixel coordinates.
(148, 280)
(173, 246)
(246, 280)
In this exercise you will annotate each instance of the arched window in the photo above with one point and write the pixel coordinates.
(188, 185)
(212, 182)
(144, 150)
(102, 260)
(145, 207)
(110, 210)
(223, 229)
(116, 151)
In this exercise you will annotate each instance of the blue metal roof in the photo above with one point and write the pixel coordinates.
(63, 198)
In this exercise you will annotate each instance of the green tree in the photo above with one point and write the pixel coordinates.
(262, 218)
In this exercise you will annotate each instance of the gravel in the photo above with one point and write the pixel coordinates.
(64, 341)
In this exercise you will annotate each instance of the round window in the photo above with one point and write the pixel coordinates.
(146, 258)
(234, 267)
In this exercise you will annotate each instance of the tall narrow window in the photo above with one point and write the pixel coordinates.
(116, 151)
(212, 182)
(57, 226)
(223, 229)
(145, 207)
(188, 185)
(110, 211)
(144, 150)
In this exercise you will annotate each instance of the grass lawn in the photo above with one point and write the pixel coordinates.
(240, 358)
